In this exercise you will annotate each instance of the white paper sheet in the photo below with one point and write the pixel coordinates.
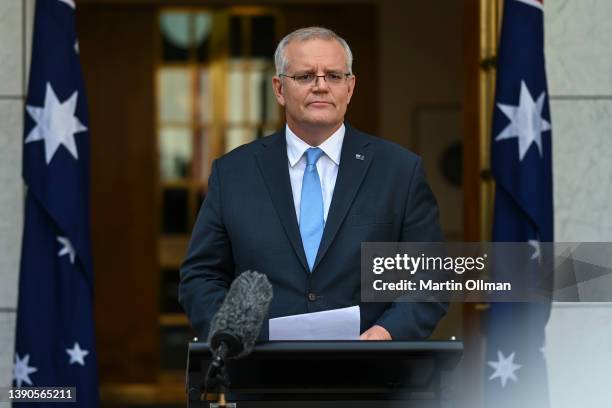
(336, 324)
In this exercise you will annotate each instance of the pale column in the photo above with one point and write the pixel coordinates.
(16, 17)
(579, 63)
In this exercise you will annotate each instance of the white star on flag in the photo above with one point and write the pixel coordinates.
(67, 248)
(526, 121)
(69, 2)
(537, 254)
(22, 370)
(55, 124)
(534, 3)
(504, 368)
(77, 355)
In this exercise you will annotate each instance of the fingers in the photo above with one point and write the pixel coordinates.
(375, 333)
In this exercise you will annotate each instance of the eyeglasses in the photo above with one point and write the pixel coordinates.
(332, 78)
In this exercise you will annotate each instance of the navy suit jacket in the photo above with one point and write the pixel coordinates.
(248, 222)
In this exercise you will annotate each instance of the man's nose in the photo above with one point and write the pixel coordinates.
(320, 83)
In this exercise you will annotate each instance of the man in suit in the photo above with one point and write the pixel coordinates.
(297, 205)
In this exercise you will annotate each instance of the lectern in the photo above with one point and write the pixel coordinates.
(330, 374)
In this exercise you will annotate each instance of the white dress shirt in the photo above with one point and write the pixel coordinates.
(327, 166)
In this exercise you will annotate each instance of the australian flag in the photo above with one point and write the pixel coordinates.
(55, 344)
(521, 162)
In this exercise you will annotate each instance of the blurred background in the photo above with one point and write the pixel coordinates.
(172, 88)
(172, 85)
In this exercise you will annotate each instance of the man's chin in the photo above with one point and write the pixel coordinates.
(322, 122)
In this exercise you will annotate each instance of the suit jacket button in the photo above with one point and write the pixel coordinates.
(312, 297)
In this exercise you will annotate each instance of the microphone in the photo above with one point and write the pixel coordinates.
(236, 326)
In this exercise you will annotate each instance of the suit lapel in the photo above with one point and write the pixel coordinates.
(354, 164)
(273, 164)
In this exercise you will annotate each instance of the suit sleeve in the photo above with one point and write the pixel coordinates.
(416, 320)
(208, 268)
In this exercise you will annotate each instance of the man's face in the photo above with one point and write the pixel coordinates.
(318, 104)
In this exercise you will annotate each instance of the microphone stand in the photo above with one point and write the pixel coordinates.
(217, 374)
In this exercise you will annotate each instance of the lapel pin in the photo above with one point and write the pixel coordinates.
(360, 156)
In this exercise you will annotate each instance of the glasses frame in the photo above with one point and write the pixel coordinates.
(316, 77)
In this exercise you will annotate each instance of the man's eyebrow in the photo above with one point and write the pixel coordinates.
(312, 71)
(305, 69)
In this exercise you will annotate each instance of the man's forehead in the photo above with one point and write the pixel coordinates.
(316, 44)
(315, 52)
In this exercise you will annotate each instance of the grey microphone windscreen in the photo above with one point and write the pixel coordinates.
(243, 311)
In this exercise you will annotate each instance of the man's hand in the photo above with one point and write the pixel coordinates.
(375, 332)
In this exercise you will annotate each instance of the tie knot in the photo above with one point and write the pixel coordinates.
(312, 155)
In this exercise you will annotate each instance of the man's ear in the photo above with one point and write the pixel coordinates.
(277, 86)
(351, 86)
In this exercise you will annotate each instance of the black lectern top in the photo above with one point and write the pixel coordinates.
(351, 369)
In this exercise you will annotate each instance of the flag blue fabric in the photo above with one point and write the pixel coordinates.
(55, 343)
(521, 162)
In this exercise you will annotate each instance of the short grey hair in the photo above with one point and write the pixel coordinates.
(305, 34)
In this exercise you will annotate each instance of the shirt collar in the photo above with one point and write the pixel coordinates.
(332, 146)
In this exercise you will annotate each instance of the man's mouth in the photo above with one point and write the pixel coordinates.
(320, 103)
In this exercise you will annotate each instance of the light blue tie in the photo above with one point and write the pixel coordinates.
(311, 207)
